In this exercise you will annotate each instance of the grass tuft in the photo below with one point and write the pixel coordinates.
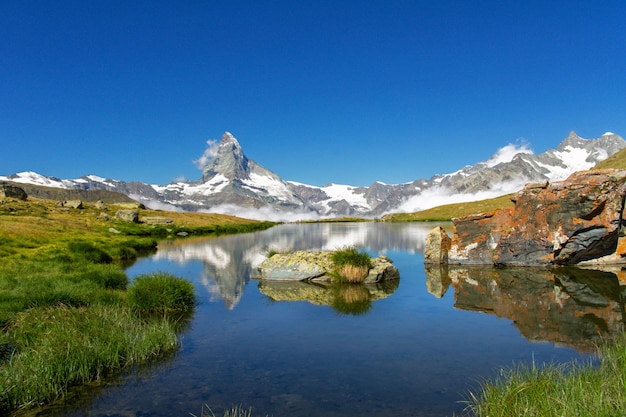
(234, 411)
(351, 265)
(89, 252)
(161, 292)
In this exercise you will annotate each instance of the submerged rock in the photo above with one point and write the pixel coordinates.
(317, 266)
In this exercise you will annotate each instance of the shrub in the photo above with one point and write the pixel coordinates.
(351, 265)
(161, 292)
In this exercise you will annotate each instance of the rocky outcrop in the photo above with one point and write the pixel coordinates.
(317, 266)
(563, 223)
(11, 191)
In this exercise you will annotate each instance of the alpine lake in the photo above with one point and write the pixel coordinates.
(411, 347)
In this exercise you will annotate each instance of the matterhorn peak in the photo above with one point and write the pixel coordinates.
(228, 137)
(229, 162)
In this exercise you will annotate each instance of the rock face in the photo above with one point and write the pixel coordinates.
(316, 266)
(10, 191)
(564, 223)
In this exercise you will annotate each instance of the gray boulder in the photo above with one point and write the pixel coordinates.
(437, 246)
(75, 204)
(157, 220)
(317, 266)
(100, 205)
(131, 216)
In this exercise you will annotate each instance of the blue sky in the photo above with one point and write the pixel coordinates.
(348, 92)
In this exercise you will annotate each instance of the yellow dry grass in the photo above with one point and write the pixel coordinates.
(353, 274)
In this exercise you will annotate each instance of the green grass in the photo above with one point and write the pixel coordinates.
(162, 293)
(447, 212)
(58, 345)
(351, 256)
(557, 390)
(617, 160)
(351, 265)
(66, 315)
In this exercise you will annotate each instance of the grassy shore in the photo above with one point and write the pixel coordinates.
(67, 312)
(574, 389)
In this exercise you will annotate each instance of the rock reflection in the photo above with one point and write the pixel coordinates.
(344, 298)
(571, 306)
(437, 280)
(229, 261)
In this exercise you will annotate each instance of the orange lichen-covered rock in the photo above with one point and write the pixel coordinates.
(564, 223)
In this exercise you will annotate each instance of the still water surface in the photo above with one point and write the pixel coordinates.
(414, 349)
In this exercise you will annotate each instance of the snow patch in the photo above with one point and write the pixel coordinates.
(574, 159)
(338, 192)
(270, 185)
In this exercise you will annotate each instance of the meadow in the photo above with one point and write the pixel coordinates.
(68, 314)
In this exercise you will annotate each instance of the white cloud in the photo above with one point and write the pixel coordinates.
(209, 153)
(262, 213)
(155, 205)
(506, 153)
(439, 196)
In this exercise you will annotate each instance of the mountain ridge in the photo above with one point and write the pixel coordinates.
(231, 183)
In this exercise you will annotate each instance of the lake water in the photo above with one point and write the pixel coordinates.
(410, 348)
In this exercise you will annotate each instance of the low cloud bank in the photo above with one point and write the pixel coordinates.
(439, 196)
(155, 205)
(263, 213)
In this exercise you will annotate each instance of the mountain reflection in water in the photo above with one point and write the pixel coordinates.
(575, 307)
(230, 262)
(299, 349)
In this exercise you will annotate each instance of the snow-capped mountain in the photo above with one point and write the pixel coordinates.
(230, 180)
(233, 184)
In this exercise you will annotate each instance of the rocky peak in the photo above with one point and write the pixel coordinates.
(607, 144)
(572, 140)
(230, 161)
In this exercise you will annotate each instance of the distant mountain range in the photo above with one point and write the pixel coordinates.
(233, 184)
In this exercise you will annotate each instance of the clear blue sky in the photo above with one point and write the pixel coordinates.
(321, 91)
